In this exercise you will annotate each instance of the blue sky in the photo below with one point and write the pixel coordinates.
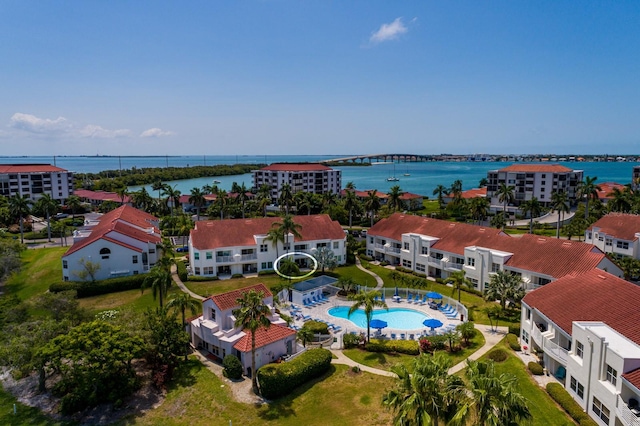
(323, 77)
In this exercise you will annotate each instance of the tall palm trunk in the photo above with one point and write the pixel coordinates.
(49, 225)
(254, 377)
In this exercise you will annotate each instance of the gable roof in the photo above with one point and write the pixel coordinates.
(533, 168)
(546, 255)
(619, 225)
(296, 167)
(100, 195)
(365, 193)
(229, 299)
(633, 377)
(209, 234)
(606, 188)
(120, 221)
(264, 336)
(30, 168)
(573, 298)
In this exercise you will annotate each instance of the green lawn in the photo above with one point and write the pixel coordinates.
(24, 415)
(543, 409)
(386, 361)
(341, 397)
(41, 268)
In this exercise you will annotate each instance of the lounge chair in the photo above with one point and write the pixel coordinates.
(445, 307)
(337, 329)
(424, 300)
(561, 373)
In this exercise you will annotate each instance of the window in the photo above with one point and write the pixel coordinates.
(420, 267)
(213, 314)
(267, 265)
(300, 247)
(612, 375)
(471, 261)
(495, 267)
(528, 313)
(589, 235)
(622, 245)
(64, 264)
(525, 336)
(371, 240)
(406, 246)
(263, 248)
(424, 250)
(608, 242)
(196, 256)
(105, 252)
(600, 410)
(197, 270)
(406, 263)
(66, 278)
(287, 247)
(579, 349)
(209, 255)
(152, 251)
(321, 245)
(577, 387)
(207, 270)
(246, 251)
(336, 244)
(134, 258)
(135, 272)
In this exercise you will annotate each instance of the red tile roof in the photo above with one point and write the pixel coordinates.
(593, 296)
(296, 167)
(633, 377)
(365, 194)
(264, 336)
(240, 232)
(549, 256)
(100, 195)
(229, 299)
(619, 225)
(30, 168)
(410, 196)
(606, 188)
(474, 193)
(120, 221)
(532, 168)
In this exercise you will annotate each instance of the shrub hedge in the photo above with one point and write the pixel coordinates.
(535, 368)
(182, 270)
(276, 380)
(562, 397)
(266, 272)
(350, 340)
(232, 367)
(514, 329)
(410, 347)
(316, 327)
(512, 340)
(88, 289)
(498, 355)
(199, 278)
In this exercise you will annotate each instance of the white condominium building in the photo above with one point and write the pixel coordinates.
(305, 177)
(33, 180)
(616, 233)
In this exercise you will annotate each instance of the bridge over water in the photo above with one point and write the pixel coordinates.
(382, 158)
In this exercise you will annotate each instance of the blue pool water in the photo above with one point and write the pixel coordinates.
(398, 318)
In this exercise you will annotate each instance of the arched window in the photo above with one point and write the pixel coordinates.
(105, 252)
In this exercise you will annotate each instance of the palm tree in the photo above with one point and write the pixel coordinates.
(182, 302)
(303, 202)
(441, 191)
(621, 200)
(286, 227)
(159, 279)
(493, 399)
(456, 191)
(630, 266)
(559, 203)
(505, 195)
(479, 208)
(504, 286)
(197, 199)
(173, 196)
(251, 316)
(427, 395)
(274, 235)
(286, 197)
(328, 200)
(458, 280)
(326, 258)
(351, 203)
(222, 201)
(372, 203)
(142, 200)
(122, 192)
(350, 186)
(241, 197)
(74, 203)
(367, 300)
(588, 189)
(498, 220)
(19, 208)
(483, 182)
(47, 205)
(305, 335)
(533, 208)
(394, 202)
(158, 186)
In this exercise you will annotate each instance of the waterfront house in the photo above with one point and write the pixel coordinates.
(585, 329)
(215, 330)
(241, 246)
(123, 242)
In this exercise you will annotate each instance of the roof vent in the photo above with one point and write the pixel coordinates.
(541, 240)
(481, 230)
(566, 244)
(602, 277)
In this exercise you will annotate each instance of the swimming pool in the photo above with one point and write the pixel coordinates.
(398, 318)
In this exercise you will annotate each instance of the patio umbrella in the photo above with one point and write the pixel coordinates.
(434, 295)
(396, 293)
(378, 324)
(432, 323)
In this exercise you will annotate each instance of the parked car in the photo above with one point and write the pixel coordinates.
(182, 250)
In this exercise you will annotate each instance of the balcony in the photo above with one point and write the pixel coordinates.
(625, 414)
(252, 256)
(554, 350)
(453, 266)
(224, 259)
(438, 263)
(536, 335)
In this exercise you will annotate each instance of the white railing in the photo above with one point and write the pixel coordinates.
(292, 356)
(536, 335)
(624, 413)
(452, 265)
(224, 259)
(252, 256)
(435, 262)
(555, 350)
(393, 250)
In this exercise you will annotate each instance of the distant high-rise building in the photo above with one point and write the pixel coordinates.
(306, 177)
(33, 180)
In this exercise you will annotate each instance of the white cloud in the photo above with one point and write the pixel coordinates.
(155, 132)
(61, 126)
(389, 31)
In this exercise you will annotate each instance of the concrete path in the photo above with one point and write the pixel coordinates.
(379, 282)
(180, 284)
(491, 339)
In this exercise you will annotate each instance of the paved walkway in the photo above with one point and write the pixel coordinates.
(379, 282)
(180, 284)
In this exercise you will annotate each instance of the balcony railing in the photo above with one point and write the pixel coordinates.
(435, 262)
(252, 256)
(536, 335)
(224, 259)
(453, 265)
(554, 350)
(624, 413)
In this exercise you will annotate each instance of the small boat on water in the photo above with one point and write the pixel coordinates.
(216, 181)
(392, 179)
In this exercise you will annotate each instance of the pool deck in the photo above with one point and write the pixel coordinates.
(321, 312)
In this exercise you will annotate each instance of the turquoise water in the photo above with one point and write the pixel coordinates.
(396, 318)
(422, 179)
